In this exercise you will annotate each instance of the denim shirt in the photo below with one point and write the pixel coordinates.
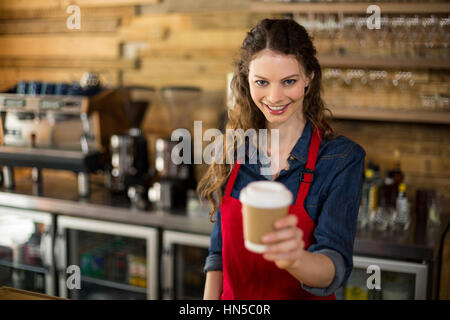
(332, 201)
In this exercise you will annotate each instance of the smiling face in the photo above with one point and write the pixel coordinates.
(277, 85)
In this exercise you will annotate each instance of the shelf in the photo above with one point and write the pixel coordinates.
(412, 116)
(21, 266)
(115, 285)
(308, 7)
(383, 62)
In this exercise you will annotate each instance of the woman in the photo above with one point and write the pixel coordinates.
(277, 85)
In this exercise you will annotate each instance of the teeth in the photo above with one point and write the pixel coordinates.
(276, 108)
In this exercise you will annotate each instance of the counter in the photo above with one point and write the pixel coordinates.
(60, 196)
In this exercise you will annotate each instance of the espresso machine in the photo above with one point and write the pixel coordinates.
(170, 189)
(64, 131)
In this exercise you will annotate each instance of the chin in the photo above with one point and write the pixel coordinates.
(276, 120)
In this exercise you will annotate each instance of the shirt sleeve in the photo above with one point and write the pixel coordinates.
(214, 258)
(336, 225)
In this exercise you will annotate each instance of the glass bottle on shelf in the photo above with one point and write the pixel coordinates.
(374, 197)
(397, 173)
(385, 212)
(364, 211)
(402, 215)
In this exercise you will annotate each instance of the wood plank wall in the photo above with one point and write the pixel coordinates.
(178, 42)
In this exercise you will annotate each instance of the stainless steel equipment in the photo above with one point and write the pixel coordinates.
(59, 126)
(129, 160)
(129, 151)
(175, 179)
(48, 131)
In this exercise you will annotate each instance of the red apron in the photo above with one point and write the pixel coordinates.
(247, 275)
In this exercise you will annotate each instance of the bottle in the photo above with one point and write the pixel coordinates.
(385, 211)
(402, 214)
(397, 173)
(364, 212)
(374, 196)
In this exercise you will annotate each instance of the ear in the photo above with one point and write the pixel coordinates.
(309, 79)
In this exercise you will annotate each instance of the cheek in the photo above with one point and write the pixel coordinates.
(256, 93)
(296, 93)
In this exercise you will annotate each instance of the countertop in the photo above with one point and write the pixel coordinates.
(58, 195)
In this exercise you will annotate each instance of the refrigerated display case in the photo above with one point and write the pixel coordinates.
(26, 241)
(183, 259)
(399, 280)
(116, 261)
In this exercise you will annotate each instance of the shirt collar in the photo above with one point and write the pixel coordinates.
(300, 150)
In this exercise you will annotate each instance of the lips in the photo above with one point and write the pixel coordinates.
(276, 109)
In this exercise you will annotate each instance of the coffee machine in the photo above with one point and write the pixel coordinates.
(62, 131)
(169, 191)
(129, 169)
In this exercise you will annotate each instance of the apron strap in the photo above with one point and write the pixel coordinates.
(306, 177)
(233, 176)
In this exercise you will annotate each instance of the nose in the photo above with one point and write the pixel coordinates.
(275, 95)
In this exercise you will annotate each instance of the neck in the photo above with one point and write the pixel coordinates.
(289, 132)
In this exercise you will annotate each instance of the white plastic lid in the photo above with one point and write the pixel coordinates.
(266, 195)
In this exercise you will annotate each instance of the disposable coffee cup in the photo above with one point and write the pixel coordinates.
(263, 202)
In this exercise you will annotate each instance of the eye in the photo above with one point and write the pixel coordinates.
(290, 82)
(261, 83)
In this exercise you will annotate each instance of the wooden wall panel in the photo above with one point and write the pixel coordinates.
(29, 4)
(206, 83)
(108, 3)
(42, 12)
(56, 45)
(50, 4)
(202, 40)
(57, 62)
(157, 26)
(58, 25)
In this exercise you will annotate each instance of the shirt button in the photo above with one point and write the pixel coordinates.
(291, 158)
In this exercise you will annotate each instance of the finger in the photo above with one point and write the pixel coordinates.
(288, 221)
(284, 246)
(291, 255)
(283, 234)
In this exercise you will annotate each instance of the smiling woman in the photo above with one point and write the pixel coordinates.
(308, 254)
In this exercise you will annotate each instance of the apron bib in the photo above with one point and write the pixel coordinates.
(247, 275)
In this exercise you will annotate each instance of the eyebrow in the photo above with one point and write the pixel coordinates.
(291, 76)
